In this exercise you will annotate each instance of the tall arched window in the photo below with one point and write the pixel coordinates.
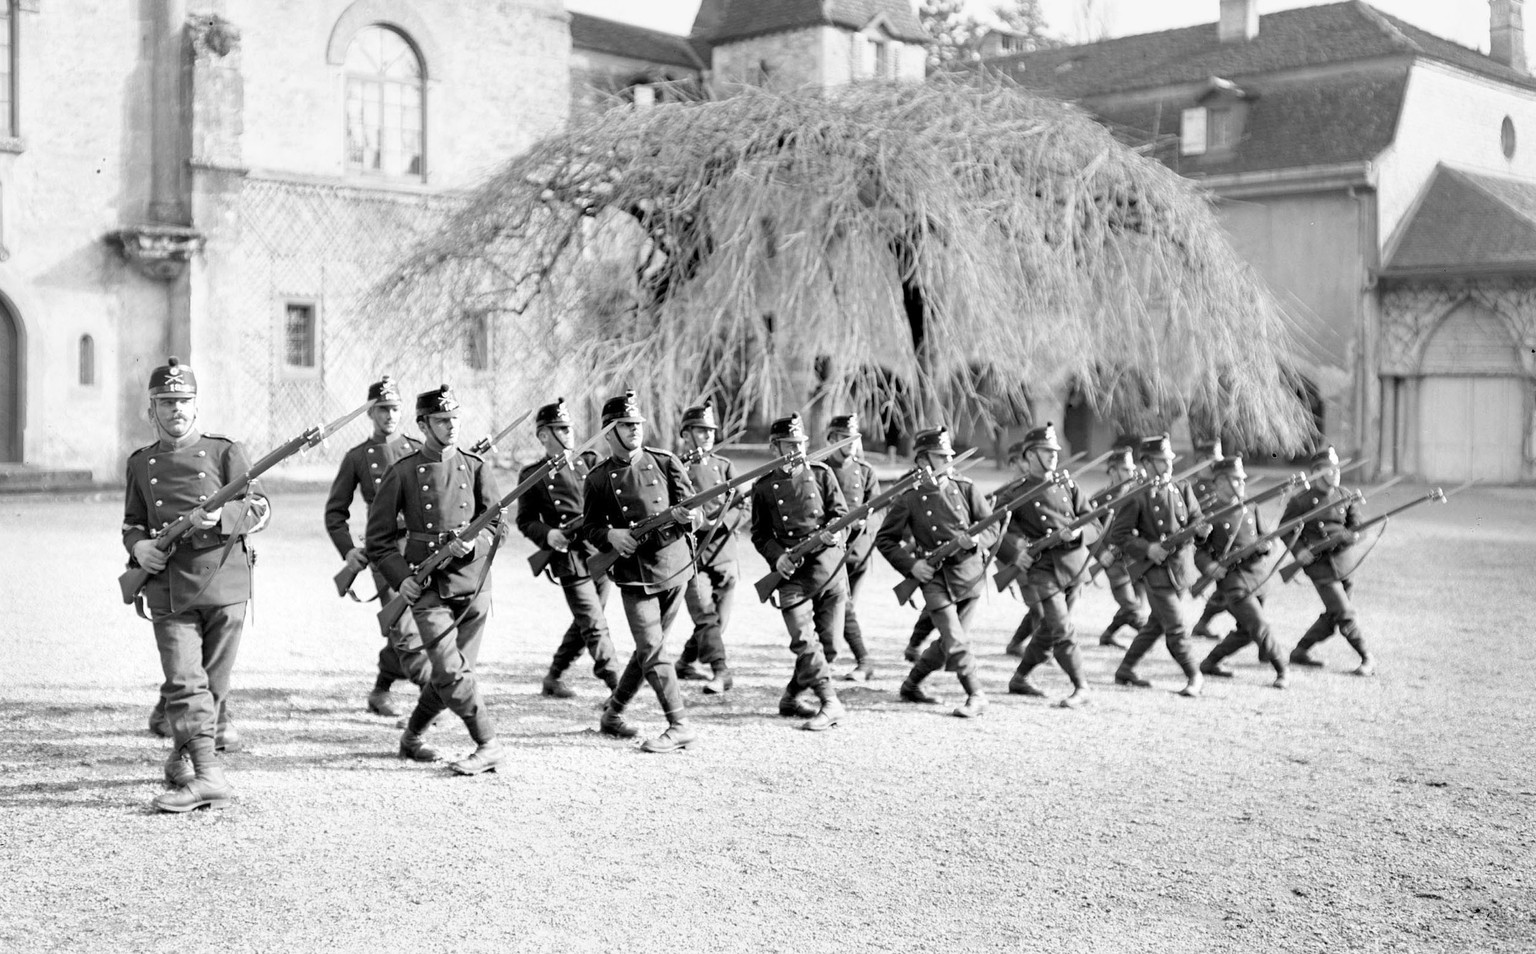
(385, 104)
(87, 360)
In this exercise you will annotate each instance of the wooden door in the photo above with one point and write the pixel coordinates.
(10, 387)
(1472, 428)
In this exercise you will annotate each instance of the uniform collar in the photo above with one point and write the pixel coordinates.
(186, 440)
(437, 455)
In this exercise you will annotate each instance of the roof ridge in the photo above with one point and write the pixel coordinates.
(1397, 37)
(1472, 179)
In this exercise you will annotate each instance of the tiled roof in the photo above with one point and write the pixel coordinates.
(1469, 222)
(1289, 39)
(623, 39)
(1290, 124)
(742, 19)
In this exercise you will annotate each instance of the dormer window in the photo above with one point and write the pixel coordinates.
(1216, 125)
(1192, 131)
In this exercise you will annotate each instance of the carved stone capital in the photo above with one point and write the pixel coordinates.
(158, 252)
(212, 35)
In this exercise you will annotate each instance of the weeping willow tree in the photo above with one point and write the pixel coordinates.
(962, 243)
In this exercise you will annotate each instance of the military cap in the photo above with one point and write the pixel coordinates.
(845, 423)
(623, 409)
(787, 429)
(1159, 446)
(1121, 457)
(554, 414)
(437, 401)
(1016, 450)
(384, 392)
(173, 377)
(1327, 457)
(1230, 467)
(1208, 448)
(1042, 437)
(1128, 441)
(700, 415)
(933, 440)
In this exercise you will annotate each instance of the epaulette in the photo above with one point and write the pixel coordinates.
(405, 457)
(659, 452)
(822, 464)
(471, 455)
(219, 437)
(144, 449)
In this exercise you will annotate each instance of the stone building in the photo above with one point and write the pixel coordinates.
(1375, 175)
(220, 179)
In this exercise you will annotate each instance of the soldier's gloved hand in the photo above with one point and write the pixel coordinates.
(557, 540)
(691, 518)
(966, 541)
(461, 548)
(1025, 559)
(827, 538)
(922, 571)
(1071, 536)
(411, 590)
(202, 520)
(622, 540)
(1157, 553)
(1218, 572)
(1305, 556)
(356, 559)
(1107, 557)
(150, 557)
(785, 565)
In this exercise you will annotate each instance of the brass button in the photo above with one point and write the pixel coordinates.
(202, 497)
(151, 460)
(429, 506)
(154, 480)
(378, 480)
(202, 453)
(159, 503)
(429, 525)
(201, 474)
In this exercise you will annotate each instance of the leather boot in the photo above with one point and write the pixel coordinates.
(1072, 664)
(1020, 685)
(379, 703)
(1282, 675)
(1202, 627)
(416, 749)
(228, 738)
(862, 672)
(690, 673)
(612, 722)
(914, 692)
(158, 723)
(975, 700)
(1108, 637)
(1211, 664)
(678, 736)
(722, 682)
(1302, 656)
(791, 706)
(1351, 633)
(208, 788)
(487, 757)
(555, 687)
(830, 713)
(179, 770)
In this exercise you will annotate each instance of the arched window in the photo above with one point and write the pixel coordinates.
(385, 104)
(87, 360)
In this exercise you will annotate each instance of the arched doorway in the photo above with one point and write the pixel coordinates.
(1473, 400)
(11, 360)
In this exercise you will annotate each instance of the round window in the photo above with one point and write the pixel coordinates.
(1507, 137)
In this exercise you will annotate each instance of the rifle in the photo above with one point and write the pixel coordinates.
(132, 581)
(487, 444)
(395, 608)
(1233, 559)
(603, 560)
(1008, 573)
(1018, 481)
(936, 559)
(1335, 539)
(880, 501)
(1185, 535)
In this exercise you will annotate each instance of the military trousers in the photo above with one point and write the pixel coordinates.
(813, 623)
(1055, 629)
(1252, 627)
(197, 655)
(451, 656)
(1128, 598)
(588, 632)
(709, 595)
(952, 649)
(1166, 619)
(402, 656)
(853, 634)
(1338, 616)
(650, 615)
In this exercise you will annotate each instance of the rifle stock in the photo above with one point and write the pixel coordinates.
(345, 579)
(1338, 537)
(1232, 559)
(133, 580)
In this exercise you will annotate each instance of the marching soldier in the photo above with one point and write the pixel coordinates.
(362, 470)
(635, 482)
(197, 592)
(712, 589)
(857, 480)
(1030, 624)
(789, 504)
(1055, 573)
(1240, 586)
(1205, 484)
(544, 515)
(1324, 549)
(934, 512)
(1138, 533)
(427, 497)
(1129, 595)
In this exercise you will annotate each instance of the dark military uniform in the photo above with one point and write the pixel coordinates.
(362, 470)
(555, 503)
(1057, 572)
(427, 497)
(711, 591)
(1331, 538)
(789, 506)
(857, 480)
(1129, 594)
(1151, 516)
(1242, 588)
(932, 516)
(1204, 484)
(197, 603)
(620, 492)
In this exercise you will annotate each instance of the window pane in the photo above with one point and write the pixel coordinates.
(384, 104)
(87, 360)
(299, 338)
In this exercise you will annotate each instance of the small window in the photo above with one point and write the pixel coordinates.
(882, 60)
(8, 111)
(299, 334)
(87, 360)
(642, 95)
(1507, 137)
(477, 342)
(1222, 129)
(1192, 132)
(385, 104)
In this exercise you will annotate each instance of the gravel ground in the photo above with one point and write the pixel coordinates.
(1385, 814)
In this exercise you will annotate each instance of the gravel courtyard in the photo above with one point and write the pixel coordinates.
(1396, 813)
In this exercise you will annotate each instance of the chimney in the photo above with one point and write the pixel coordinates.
(1507, 33)
(1240, 20)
